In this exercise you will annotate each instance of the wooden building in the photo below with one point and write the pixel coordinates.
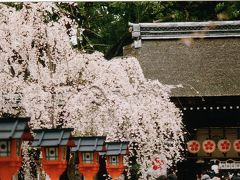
(204, 58)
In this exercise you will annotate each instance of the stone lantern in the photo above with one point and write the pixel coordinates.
(88, 149)
(12, 132)
(115, 152)
(53, 144)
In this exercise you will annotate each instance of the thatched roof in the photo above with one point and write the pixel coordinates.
(204, 66)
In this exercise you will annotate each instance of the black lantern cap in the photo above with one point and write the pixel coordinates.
(53, 137)
(13, 128)
(89, 144)
(116, 148)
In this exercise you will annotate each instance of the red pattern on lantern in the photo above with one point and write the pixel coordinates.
(209, 146)
(193, 146)
(224, 145)
(236, 145)
(157, 164)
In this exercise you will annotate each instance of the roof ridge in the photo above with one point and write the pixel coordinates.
(179, 30)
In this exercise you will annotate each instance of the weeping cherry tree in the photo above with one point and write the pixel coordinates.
(42, 76)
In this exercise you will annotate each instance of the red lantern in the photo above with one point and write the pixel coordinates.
(54, 144)
(114, 155)
(193, 146)
(236, 145)
(13, 131)
(224, 145)
(88, 149)
(209, 146)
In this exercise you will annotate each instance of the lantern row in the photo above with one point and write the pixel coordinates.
(54, 144)
(209, 146)
(211, 108)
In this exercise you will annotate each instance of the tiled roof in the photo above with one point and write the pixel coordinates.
(89, 144)
(13, 128)
(116, 148)
(52, 137)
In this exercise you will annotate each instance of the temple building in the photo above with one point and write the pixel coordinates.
(203, 60)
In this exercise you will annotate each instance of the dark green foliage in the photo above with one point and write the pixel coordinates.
(106, 23)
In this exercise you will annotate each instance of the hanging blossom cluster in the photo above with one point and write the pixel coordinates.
(57, 86)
